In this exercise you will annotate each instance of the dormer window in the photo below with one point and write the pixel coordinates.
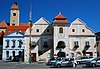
(73, 30)
(60, 30)
(14, 14)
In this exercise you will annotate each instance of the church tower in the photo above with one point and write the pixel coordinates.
(60, 35)
(14, 15)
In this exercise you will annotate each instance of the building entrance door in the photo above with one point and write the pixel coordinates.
(34, 57)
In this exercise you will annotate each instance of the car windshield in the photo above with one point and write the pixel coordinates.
(95, 59)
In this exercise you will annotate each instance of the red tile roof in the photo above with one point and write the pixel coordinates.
(60, 16)
(21, 28)
(14, 6)
(60, 19)
(3, 24)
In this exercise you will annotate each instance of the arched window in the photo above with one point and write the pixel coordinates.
(61, 44)
(60, 30)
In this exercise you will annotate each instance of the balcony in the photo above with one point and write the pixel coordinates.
(13, 46)
(87, 46)
(7, 46)
(19, 46)
(76, 46)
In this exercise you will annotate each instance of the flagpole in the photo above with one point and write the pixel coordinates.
(30, 25)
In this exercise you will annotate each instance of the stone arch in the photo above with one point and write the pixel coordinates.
(61, 44)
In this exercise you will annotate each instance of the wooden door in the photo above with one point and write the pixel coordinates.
(34, 57)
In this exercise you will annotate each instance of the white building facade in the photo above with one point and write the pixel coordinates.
(13, 45)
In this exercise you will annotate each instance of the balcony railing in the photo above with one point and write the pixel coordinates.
(76, 46)
(87, 46)
(13, 46)
(7, 46)
(19, 46)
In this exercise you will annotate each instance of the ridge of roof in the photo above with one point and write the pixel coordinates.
(15, 28)
(60, 16)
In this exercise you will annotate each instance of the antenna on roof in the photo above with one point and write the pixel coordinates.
(30, 11)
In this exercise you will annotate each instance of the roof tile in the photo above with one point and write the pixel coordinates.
(3, 24)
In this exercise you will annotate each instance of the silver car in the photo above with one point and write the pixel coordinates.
(65, 62)
(84, 59)
(94, 62)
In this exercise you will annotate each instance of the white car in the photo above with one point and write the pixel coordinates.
(65, 62)
(84, 59)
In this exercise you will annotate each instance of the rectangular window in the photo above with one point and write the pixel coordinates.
(7, 43)
(13, 42)
(76, 43)
(45, 43)
(87, 43)
(60, 30)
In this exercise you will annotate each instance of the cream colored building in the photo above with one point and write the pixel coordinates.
(82, 39)
(42, 41)
(60, 39)
(55, 40)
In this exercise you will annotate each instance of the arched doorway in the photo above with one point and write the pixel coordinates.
(61, 44)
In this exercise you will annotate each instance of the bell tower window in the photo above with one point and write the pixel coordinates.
(60, 30)
(14, 14)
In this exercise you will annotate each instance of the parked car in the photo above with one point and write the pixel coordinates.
(64, 62)
(84, 59)
(51, 61)
(94, 62)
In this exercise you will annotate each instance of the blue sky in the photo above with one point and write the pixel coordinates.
(86, 10)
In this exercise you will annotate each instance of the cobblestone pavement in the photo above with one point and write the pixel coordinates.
(15, 65)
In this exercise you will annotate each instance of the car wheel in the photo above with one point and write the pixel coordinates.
(93, 65)
(78, 62)
(58, 65)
